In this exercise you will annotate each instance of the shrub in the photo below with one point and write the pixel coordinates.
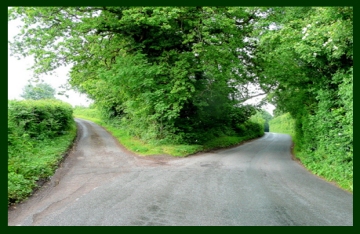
(38, 119)
(39, 133)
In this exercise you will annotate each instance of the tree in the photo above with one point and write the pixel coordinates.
(267, 117)
(306, 64)
(165, 71)
(38, 91)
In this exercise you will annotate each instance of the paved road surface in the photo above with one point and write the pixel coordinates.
(256, 183)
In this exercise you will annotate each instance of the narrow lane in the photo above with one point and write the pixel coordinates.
(256, 183)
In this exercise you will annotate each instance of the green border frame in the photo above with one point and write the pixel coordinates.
(139, 3)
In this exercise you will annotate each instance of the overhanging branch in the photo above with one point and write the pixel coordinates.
(250, 97)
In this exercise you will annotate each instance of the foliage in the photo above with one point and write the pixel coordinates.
(267, 117)
(249, 130)
(179, 74)
(222, 142)
(38, 91)
(39, 133)
(306, 65)
(253, 127)
(38, 119)
(33, 161)
(169, 73)
(333, 166)
(283, 124)
(134, 144)
(88, 112)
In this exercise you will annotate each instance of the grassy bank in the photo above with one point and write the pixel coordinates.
(36, 161)
(39, 135)
(328, 164)
(147, 148)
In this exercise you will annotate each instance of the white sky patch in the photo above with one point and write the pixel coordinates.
(255, 89)
(19, 75)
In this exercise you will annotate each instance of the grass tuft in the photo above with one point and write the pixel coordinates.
(144, 148)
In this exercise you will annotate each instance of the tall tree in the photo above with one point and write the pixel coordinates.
(306, 63)
(38, 91)
(164, 70)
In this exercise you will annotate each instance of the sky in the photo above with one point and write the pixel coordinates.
(19, 76)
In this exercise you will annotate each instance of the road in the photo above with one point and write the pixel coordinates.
(257, 183)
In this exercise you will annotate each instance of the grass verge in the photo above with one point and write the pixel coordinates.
(329, 167)
(143, 148)
(138, 146)
(34, 161)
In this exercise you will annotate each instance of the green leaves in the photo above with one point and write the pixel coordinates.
(149, 66)
(38, 91)
(39, 132)
(307, 63)
(38, 119)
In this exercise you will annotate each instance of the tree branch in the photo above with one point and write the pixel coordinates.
(250, 97)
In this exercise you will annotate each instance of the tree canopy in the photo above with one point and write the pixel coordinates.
(182, 72)
(166, 71)
(305, 63)
(38, 91)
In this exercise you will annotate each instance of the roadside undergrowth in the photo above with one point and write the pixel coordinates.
(145, 148)
(329, 165)
(40, 133)
(35, 162)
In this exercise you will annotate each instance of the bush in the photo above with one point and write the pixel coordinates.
(18, 187)
(38, 119)
(321, 141)
(39, 133)
(254, 127)
(283, 124)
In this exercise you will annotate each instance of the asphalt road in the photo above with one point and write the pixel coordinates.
(257, 183)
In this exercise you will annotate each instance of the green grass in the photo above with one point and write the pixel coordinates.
(329, 167)
(134, 144)
(143, 148)
(87, 113)
(32, 160)
(283, 124)
(223, 142)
